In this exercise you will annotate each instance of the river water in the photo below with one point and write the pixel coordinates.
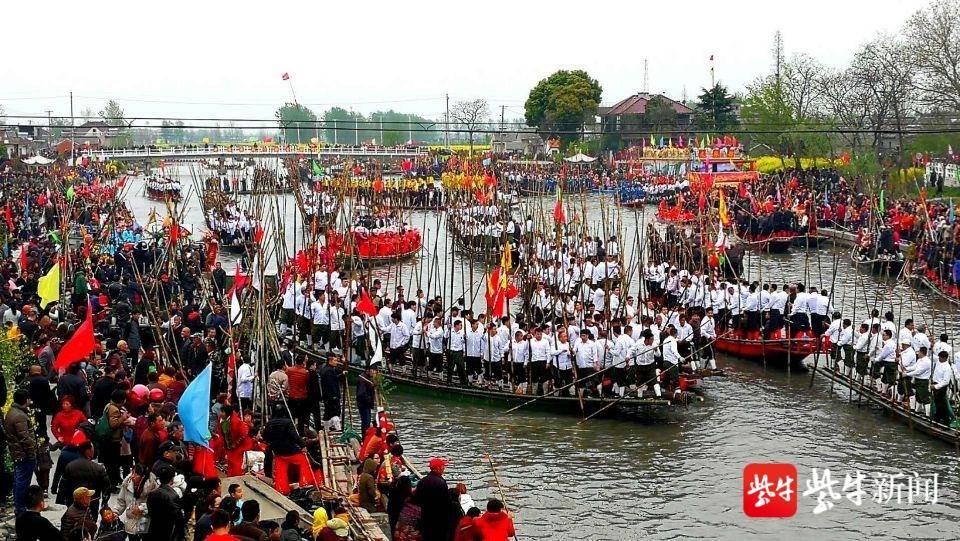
(683, 478)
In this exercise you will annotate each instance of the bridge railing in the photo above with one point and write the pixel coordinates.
(243, 150)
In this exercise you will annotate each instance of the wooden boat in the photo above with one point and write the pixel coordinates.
(809, 240)
(948, 293)
(880, 264)
(778, 242)
(778, 352)
(916, 420)
(631, 408)
(481, 247)
(374, 260)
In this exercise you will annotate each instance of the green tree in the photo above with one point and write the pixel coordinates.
(343, 126)
(659, 116)
(296, 121)
(562, 103)
(112, 114)
(715, 110)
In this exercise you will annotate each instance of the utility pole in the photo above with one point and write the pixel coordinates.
(409, 130)
(777, 55)
(49, 127)
(446, 124)
(646, 76)
(356, 132)
(502, 109)
(72, 129)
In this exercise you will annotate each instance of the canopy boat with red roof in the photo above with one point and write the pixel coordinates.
(373, 239)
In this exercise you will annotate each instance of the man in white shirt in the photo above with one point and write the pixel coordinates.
(585, 355)
(800, 311)
(456, 345)
(886, 362)
(539, 355)
(862, 349)
(399, 338)
(321, 320)
(435, 336)
(942, 376)
(708, 333)
(919, 374)
(833, 334)
(337, 324)
(643, 355)
(245, 381)
(671, 358)
(474, 334)
(491, 353)
(845, 341)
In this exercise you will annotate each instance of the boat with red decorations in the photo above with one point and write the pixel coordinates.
(775, 349)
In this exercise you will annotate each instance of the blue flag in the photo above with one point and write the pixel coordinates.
(953, 213)
(194, 408)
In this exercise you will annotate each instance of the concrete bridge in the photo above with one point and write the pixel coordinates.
(242, 152)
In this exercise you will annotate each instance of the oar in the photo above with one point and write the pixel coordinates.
(496, 479)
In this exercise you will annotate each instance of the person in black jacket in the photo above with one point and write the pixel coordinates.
(286, 446)
(434, 497)
(102, 391)
(73, 384)
(314, 394)
(163, 506)
(31, 525)
(44, 401)
(330, 378)
(84, 472)
(367, 395)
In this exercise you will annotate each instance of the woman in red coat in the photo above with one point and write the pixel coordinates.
(66, 421)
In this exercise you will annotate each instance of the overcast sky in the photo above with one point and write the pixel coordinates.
(203, 59)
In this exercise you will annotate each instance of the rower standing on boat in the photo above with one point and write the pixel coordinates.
(942, 376)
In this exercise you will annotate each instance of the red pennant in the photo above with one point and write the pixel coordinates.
(258, 234)
(80, 345)
(9, 217)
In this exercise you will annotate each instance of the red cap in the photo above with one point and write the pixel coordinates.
(156, 395)
(79, 438)
(436, 463)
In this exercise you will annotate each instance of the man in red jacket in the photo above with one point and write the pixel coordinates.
(495, 524)
(150, 439)
(298, 379)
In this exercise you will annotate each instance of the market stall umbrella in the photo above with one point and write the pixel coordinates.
(580, 157)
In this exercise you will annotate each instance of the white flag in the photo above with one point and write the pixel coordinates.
(236, 314)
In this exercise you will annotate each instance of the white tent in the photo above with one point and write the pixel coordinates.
(38, 160)
(580, 157)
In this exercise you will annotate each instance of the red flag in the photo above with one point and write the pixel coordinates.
(366, 306)
(743, 190)
(9, 217)
(122, 182)
(258, 234)
(80, 345)
(702, 202)
(174, 233)
(231, 368)
(24, 256)
(558, 214)
(239, 279)
(285, 76)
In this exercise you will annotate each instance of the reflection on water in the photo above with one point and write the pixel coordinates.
(682, 479)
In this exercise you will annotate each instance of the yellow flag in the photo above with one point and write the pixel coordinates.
(506, 260)
(724, 217)
(48, 286)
